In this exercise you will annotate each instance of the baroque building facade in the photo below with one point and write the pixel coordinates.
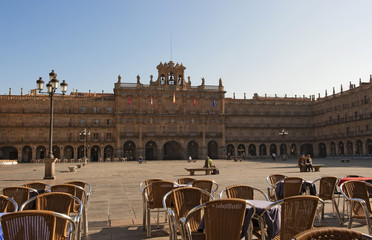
(170, 118)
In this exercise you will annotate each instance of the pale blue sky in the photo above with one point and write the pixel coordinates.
(264, 46)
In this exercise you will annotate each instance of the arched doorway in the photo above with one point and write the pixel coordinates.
(94, 153)
(56, 152)
(369, 146)
(273, 149)
(307, 148)
(241, 150)
(41, 152)
(9, 153)
(252, 150)
(293, 150)
(80, 152)
(130, 150)
(349, 148)
(108, 152)
(263, 151)
(322, 150)
(359, 147)
(283, 149)
(26, 154)
(68, 152)
(193, 149)
(151, 153)
(213, 149)
(333, 149)
(172, 151)
(230, 151)
(341, 149)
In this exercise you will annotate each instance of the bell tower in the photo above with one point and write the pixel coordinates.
(171, 75)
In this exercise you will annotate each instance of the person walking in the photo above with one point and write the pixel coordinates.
(273, 155)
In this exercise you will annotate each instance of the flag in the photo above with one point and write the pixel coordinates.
(194, 102)
(128, 101)
(214, 103)
(151, 101)
(174, 97)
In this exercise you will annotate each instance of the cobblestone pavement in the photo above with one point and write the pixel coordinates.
(115, 206)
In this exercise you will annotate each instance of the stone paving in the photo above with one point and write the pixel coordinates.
(115, 206)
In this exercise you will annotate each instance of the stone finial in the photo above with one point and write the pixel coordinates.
(10, 91)
(234, 95)
(326, 93)
(360, 81)
(350, 85)
(203, 81)
(370, 78)
(318, 95)
(220, 82)
(334, 92)
(138, 79)
(151, 77)
(341, 89)
(244, 95)
(21, 91)
(188, 78)
(119, 79)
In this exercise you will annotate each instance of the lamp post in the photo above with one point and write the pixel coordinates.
(84, 134)
(51, 86)
(284, 133)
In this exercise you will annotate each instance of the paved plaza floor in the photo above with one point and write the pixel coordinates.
(115, 206)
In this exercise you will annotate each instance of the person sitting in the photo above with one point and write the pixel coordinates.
(309, 163)
(208, 163)
(302, 163)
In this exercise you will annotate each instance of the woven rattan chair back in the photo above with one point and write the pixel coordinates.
(159, 189)
(206, 185)
(274, 178)
(327, 187)
(148, 182)
(185, 199)
(297, 215)
(7, 204)
(39, 186)
(240, 191)
(18, 194)
(224, 219)
(292, 186)
(330, 233)
(32, 225)
(357, 189)
(185, 180)
(73, 190)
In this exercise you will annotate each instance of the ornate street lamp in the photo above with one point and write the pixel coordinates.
(84, 134)
(51, 86)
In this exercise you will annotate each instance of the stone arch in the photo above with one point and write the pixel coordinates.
(349, 148)
(172, 151)
(307, 148)
(293, 150)
(41, 152)
(80, 152)
(241, 150)
(262, 150)
(130, 150)
(68, 152)
(230, 150)
(273, 149)
(193, 149)
(322, 150)
(369, 146)
(151, 151)
(341, 148)
(26, 154)
(108, 152)
(333, 149)
(359, 147)
(252, 150)
(213, 149)
(283, 149)
(95, 153)
(56, 152)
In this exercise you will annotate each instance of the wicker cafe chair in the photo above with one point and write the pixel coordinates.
(331, 233)
(39, 186)
(57, 202)
(292, 186)
(34, 225)
(19, 194)
(297, 215)
(149, 194)
(271, 181)
(154, 202)
(223, 219)
(76, 191)
(242, 191)
(183, 200)
(7, 204)
(356, 195)
(88, 190)
(185, 180)
(207, 185)
(327, 186)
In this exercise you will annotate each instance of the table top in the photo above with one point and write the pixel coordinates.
(353, 178)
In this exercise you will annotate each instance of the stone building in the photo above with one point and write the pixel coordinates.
(170, 118)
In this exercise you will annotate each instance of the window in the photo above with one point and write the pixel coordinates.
(108, 122)
(82, 122)
(82, 109)
(95, 109)
(109, 109)
(356, 115)
(162, 80)
(357, 129)
(96, 121)
(108, 136)
(171, 79)
(95, 136)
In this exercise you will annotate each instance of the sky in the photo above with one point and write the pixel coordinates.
(255, 46)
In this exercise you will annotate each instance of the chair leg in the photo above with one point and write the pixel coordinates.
(85, 223)
(144, 216)
(350, 215)
(335, 207)
(148, 223)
